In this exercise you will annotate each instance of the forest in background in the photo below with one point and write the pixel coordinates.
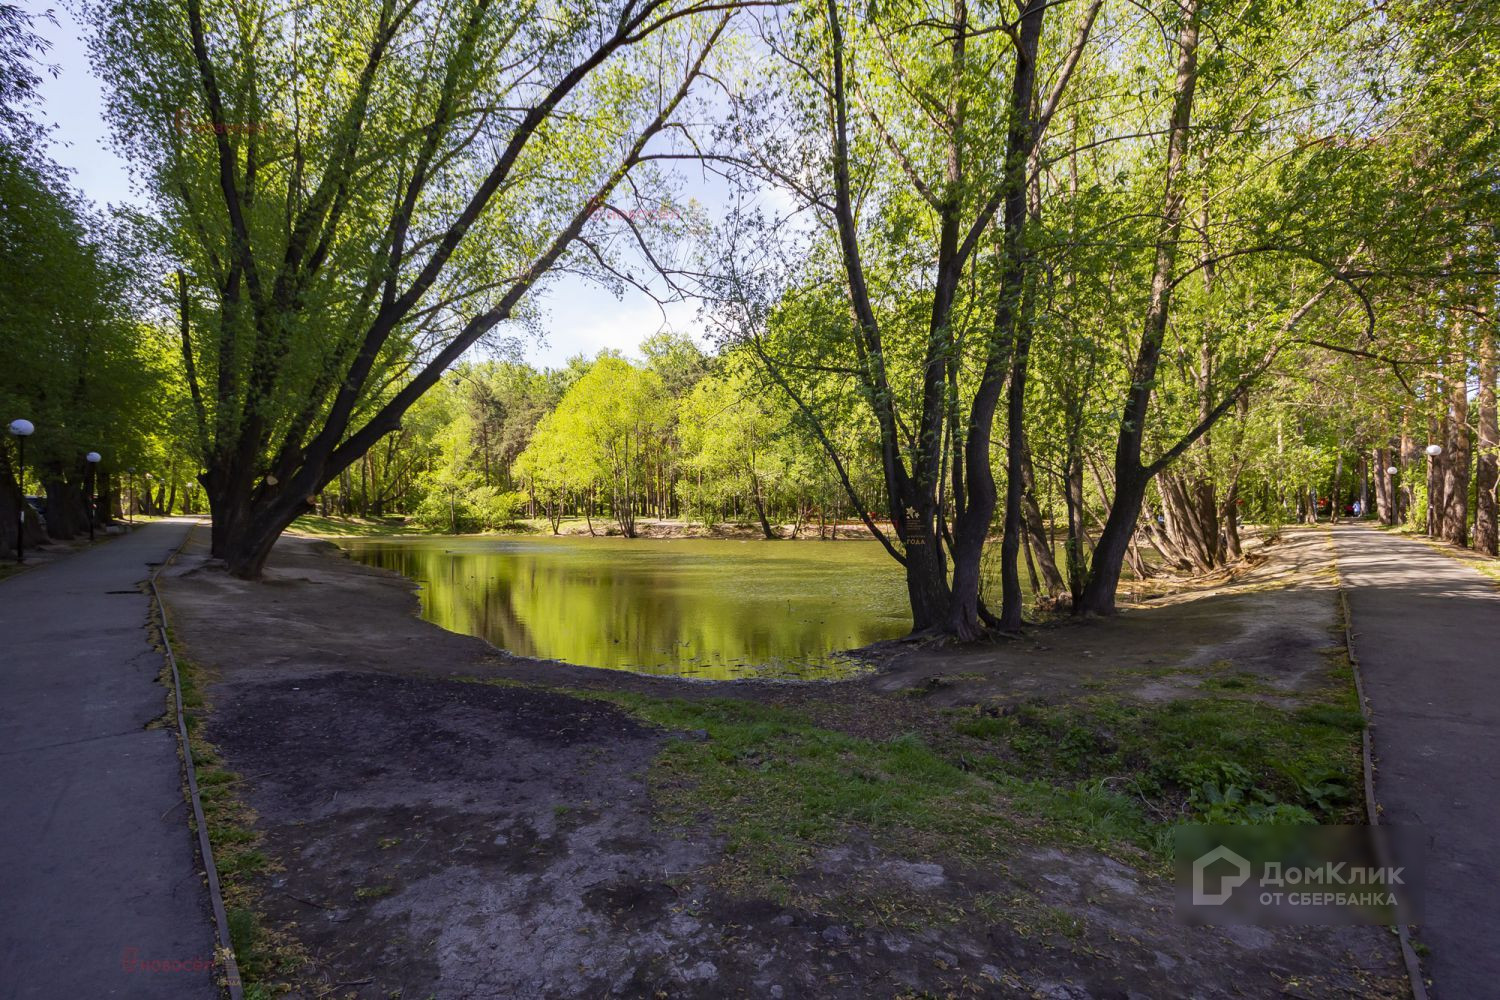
(1043, 286)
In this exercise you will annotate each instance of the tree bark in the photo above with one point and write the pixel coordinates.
(1131, 477)
(1231, 520)
(760, 507)
(1009, 347)
(1385, 486)
(1077, 558)
(1192, 518)
(1334, 509)
(1454, 520)
(1040, 549)
(67, 512)
(1487, 458)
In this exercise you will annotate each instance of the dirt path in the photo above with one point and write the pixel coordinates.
(1427, 635)
(431, 836)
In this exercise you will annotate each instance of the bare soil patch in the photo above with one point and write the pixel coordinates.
(431, 836)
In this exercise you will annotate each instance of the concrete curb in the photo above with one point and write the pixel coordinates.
(210, 871)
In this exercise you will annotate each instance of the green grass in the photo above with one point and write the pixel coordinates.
(1212, 759)
(266, 958)
(353, 527)
(367, 892)
(972, 785)
(778, 788)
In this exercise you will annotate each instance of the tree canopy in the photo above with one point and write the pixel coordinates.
(1073, 290)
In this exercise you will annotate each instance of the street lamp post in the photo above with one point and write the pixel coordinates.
(130, 511)
(93, 459)
(1394, 472)
(21, 430)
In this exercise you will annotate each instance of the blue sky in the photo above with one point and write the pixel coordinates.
(580, 317)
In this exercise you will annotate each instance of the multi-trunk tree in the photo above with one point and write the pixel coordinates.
(358, 193)
(911, 153)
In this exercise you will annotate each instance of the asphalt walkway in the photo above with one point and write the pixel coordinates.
(100, 892)
(1427, 637)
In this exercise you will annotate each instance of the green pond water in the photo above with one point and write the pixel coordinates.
(708, 608)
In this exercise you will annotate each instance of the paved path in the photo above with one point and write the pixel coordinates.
(97, 864)
(1427, 636)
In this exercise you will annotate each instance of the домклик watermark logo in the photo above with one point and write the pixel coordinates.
(1228, 882)
(1298, 874)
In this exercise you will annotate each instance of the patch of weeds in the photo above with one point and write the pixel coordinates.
(1221, 675)
(1241, 681)
(1058, 921)
(267, 958)
(778, 788)
(368, 892)
(974, 784)
(1050, 926)
(1210, 759)
(386, 843)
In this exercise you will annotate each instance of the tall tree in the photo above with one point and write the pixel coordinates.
(913, 157)
(359, 193)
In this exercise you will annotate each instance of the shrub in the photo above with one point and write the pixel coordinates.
(454, 512)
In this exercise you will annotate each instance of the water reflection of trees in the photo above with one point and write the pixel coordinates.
(670, 608)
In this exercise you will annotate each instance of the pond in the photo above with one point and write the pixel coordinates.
(707, 608)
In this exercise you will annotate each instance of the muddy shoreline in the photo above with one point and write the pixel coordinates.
(426, 835)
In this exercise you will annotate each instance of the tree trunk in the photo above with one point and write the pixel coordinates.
(67, 513)
(1433, 522)
(1454, 521)
(104, 503)
(1487, 459)
(1192, 525)
(1385, 491)
(1041, 547)
(246, 549)
(1012, 326)
(10, 503)
(1131, 477)
(926, 577)
(1075, 556)
(1098, 596)
(1028, 543)
(1364, 485)
(1161, 537)
(1233, 549)
(1334, 509)
(760, 507)
(247, 518)
(1136, 562)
